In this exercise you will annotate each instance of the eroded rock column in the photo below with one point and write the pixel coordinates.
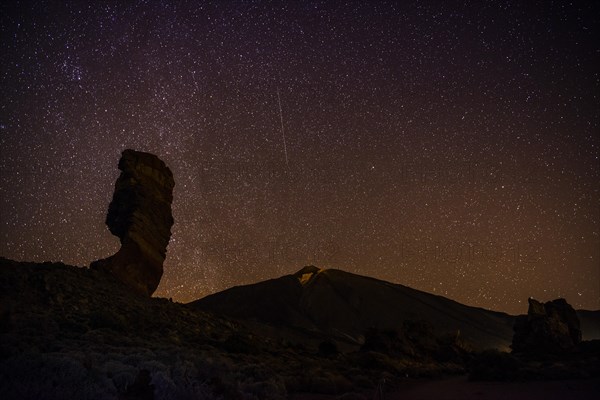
(140, 216)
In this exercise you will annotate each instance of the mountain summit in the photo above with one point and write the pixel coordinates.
(346, 305)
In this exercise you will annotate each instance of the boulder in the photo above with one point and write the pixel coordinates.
(548, 328)
(140, 216)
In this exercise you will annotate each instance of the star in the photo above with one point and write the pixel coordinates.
(346, 135)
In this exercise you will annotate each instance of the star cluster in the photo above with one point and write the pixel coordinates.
(447, 146)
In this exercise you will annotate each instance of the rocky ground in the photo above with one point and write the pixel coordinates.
(69, 332)
(460, 388)
(79, 333)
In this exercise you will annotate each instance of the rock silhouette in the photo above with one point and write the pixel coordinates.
(551, 327)
(140, 216)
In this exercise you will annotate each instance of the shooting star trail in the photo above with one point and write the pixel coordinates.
(282, 129)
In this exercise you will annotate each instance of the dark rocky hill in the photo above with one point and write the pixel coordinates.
(347, 305)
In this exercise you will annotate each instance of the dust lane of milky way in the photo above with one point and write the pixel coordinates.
(447, 147)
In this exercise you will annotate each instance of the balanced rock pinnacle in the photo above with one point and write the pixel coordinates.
(140, 216)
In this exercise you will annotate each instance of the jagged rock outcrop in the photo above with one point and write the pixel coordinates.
(551, 327)
(140, 216)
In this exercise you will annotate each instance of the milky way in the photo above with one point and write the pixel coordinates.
(452, 148)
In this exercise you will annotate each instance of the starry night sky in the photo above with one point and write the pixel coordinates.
(450, 147)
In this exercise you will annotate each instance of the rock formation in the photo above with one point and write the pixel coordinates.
(140, 216)
(552, 327)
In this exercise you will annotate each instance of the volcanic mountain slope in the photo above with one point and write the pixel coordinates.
(347, 305)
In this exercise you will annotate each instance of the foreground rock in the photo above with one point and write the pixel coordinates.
(551, 327)
(140, 216)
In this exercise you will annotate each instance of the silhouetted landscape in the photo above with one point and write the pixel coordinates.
(303, 200)
(71, 332)
(77, 332)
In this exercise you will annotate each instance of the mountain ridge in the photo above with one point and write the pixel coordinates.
(342, 303)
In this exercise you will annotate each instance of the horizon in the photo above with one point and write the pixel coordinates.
(447, 148)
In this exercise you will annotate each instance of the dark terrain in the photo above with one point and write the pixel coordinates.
(76, 332)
